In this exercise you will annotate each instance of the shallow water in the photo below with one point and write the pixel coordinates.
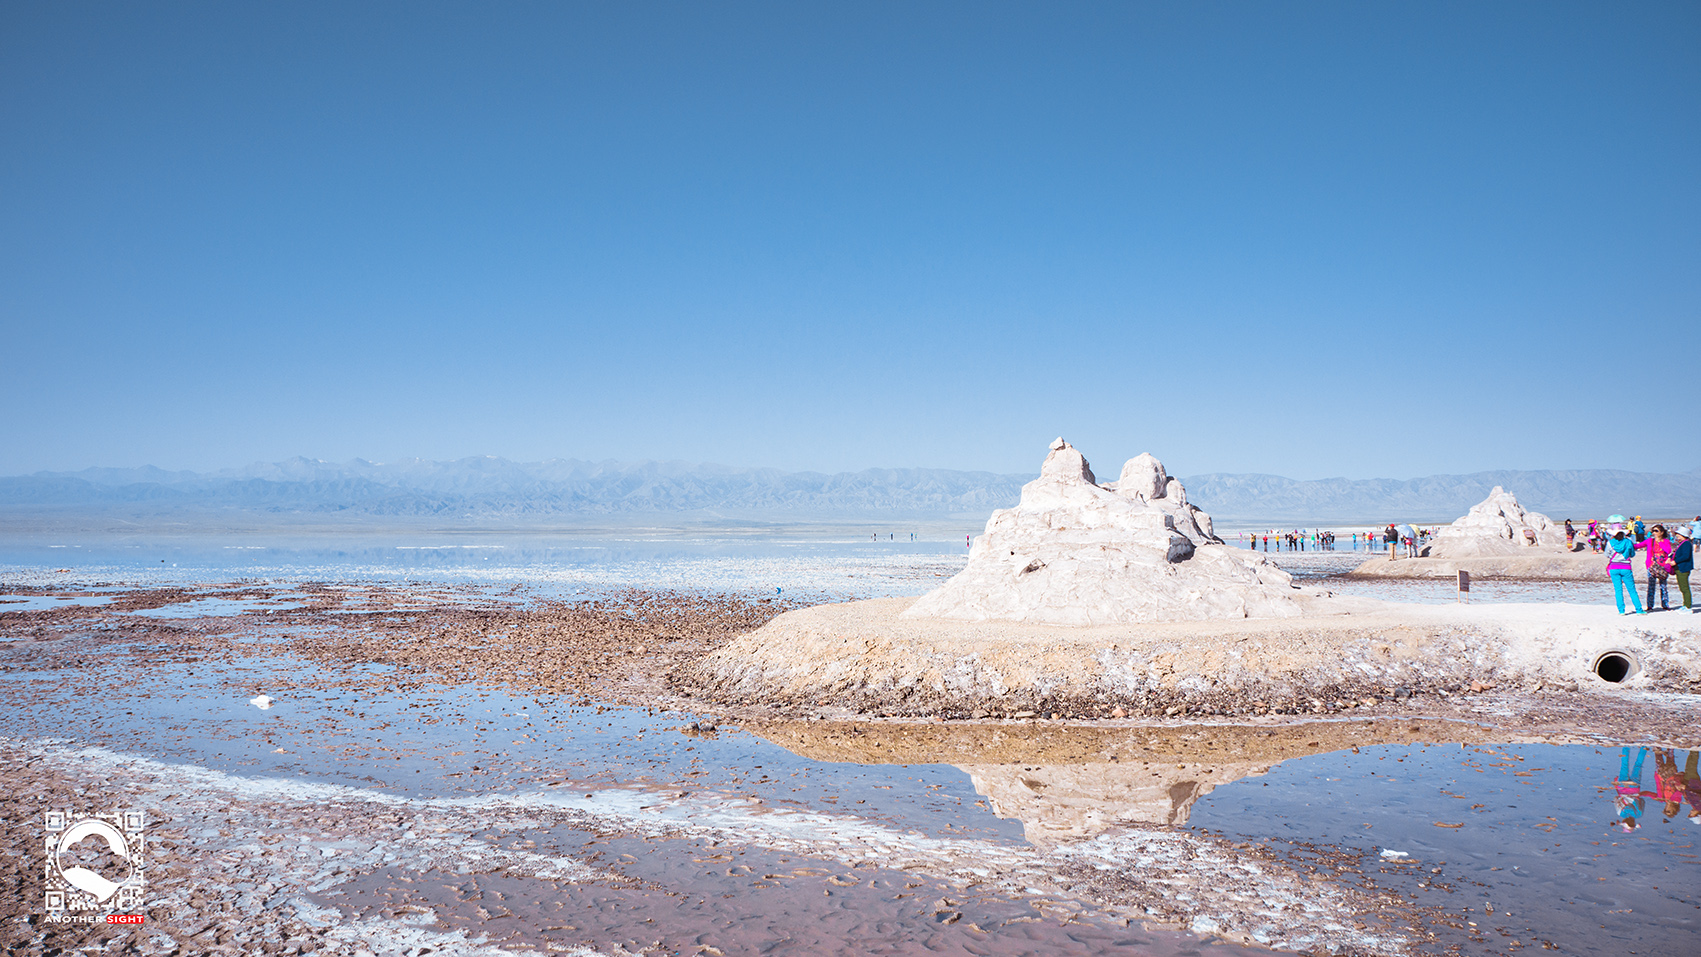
(562, 566)
(46, 602)
(1516, 840)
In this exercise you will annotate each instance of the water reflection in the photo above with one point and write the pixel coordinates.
(1070, 782)
(1673, 786)
(1496, 837)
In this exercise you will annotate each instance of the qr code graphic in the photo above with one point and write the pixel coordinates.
(94, 861)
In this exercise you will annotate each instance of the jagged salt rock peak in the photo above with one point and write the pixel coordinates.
(1077, 552)
(1495, 526)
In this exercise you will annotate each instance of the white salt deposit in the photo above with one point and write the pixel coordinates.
(1075, 552)
(1497, 525)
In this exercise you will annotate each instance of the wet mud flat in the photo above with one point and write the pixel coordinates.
(481, 770)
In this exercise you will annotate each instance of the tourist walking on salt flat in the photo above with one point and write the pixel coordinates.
(1659, 562)
(1683, 562)
(1620, 550)
(1627, 790)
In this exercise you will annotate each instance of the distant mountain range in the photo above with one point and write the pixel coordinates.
(488, 488)
(567, 491)
(1571, 493)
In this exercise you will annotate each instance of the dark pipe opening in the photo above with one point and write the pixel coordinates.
(1612, 667)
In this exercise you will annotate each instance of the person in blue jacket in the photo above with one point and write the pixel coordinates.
(1683, 554)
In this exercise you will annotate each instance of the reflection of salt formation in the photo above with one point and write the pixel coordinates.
(1061, 802)
(1074, 552)
(1495, 526)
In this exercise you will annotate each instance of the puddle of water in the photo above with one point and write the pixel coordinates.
(1514, 842)
(215, 608)
(47, 602)
(428, 740)
(1512, 845)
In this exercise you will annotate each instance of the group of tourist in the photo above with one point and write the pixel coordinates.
(1319, 540)
(1666, 554)
(1406, 538)
(1594, 535)
(1672, 787)
(1294, 540)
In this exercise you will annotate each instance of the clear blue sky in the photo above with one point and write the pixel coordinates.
(1304, 238)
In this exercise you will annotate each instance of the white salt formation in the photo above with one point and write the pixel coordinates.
(1074, 552)
(1496, 526)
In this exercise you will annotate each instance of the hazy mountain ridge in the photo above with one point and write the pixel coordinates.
(498, 488)
(494, 487)
(1561, 494)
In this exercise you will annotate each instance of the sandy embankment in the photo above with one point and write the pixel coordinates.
(1547, 565)
(863, 655)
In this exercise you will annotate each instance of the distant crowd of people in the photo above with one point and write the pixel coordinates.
(1323, 540)
(1673, 786)
(1293, 540)
(1665, 553)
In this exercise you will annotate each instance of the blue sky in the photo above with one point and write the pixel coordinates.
(1309, 239)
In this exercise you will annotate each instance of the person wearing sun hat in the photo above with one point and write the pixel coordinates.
(1620, 551)
(1683, 562)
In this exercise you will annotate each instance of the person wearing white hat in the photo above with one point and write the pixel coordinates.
(1683, 559)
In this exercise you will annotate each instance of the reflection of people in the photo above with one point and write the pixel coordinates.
(1668, 782)
(1627, 790)
(1620, 550)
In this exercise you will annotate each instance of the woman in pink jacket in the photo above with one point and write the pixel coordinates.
(1660, 565)
(1668, 782)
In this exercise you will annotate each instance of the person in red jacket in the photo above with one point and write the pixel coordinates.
(1658, 552)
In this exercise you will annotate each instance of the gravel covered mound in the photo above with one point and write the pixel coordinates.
(869, 656)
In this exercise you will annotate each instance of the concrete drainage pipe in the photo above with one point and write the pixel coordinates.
(1615, 667)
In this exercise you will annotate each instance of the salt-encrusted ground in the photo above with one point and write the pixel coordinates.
(420, 779)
